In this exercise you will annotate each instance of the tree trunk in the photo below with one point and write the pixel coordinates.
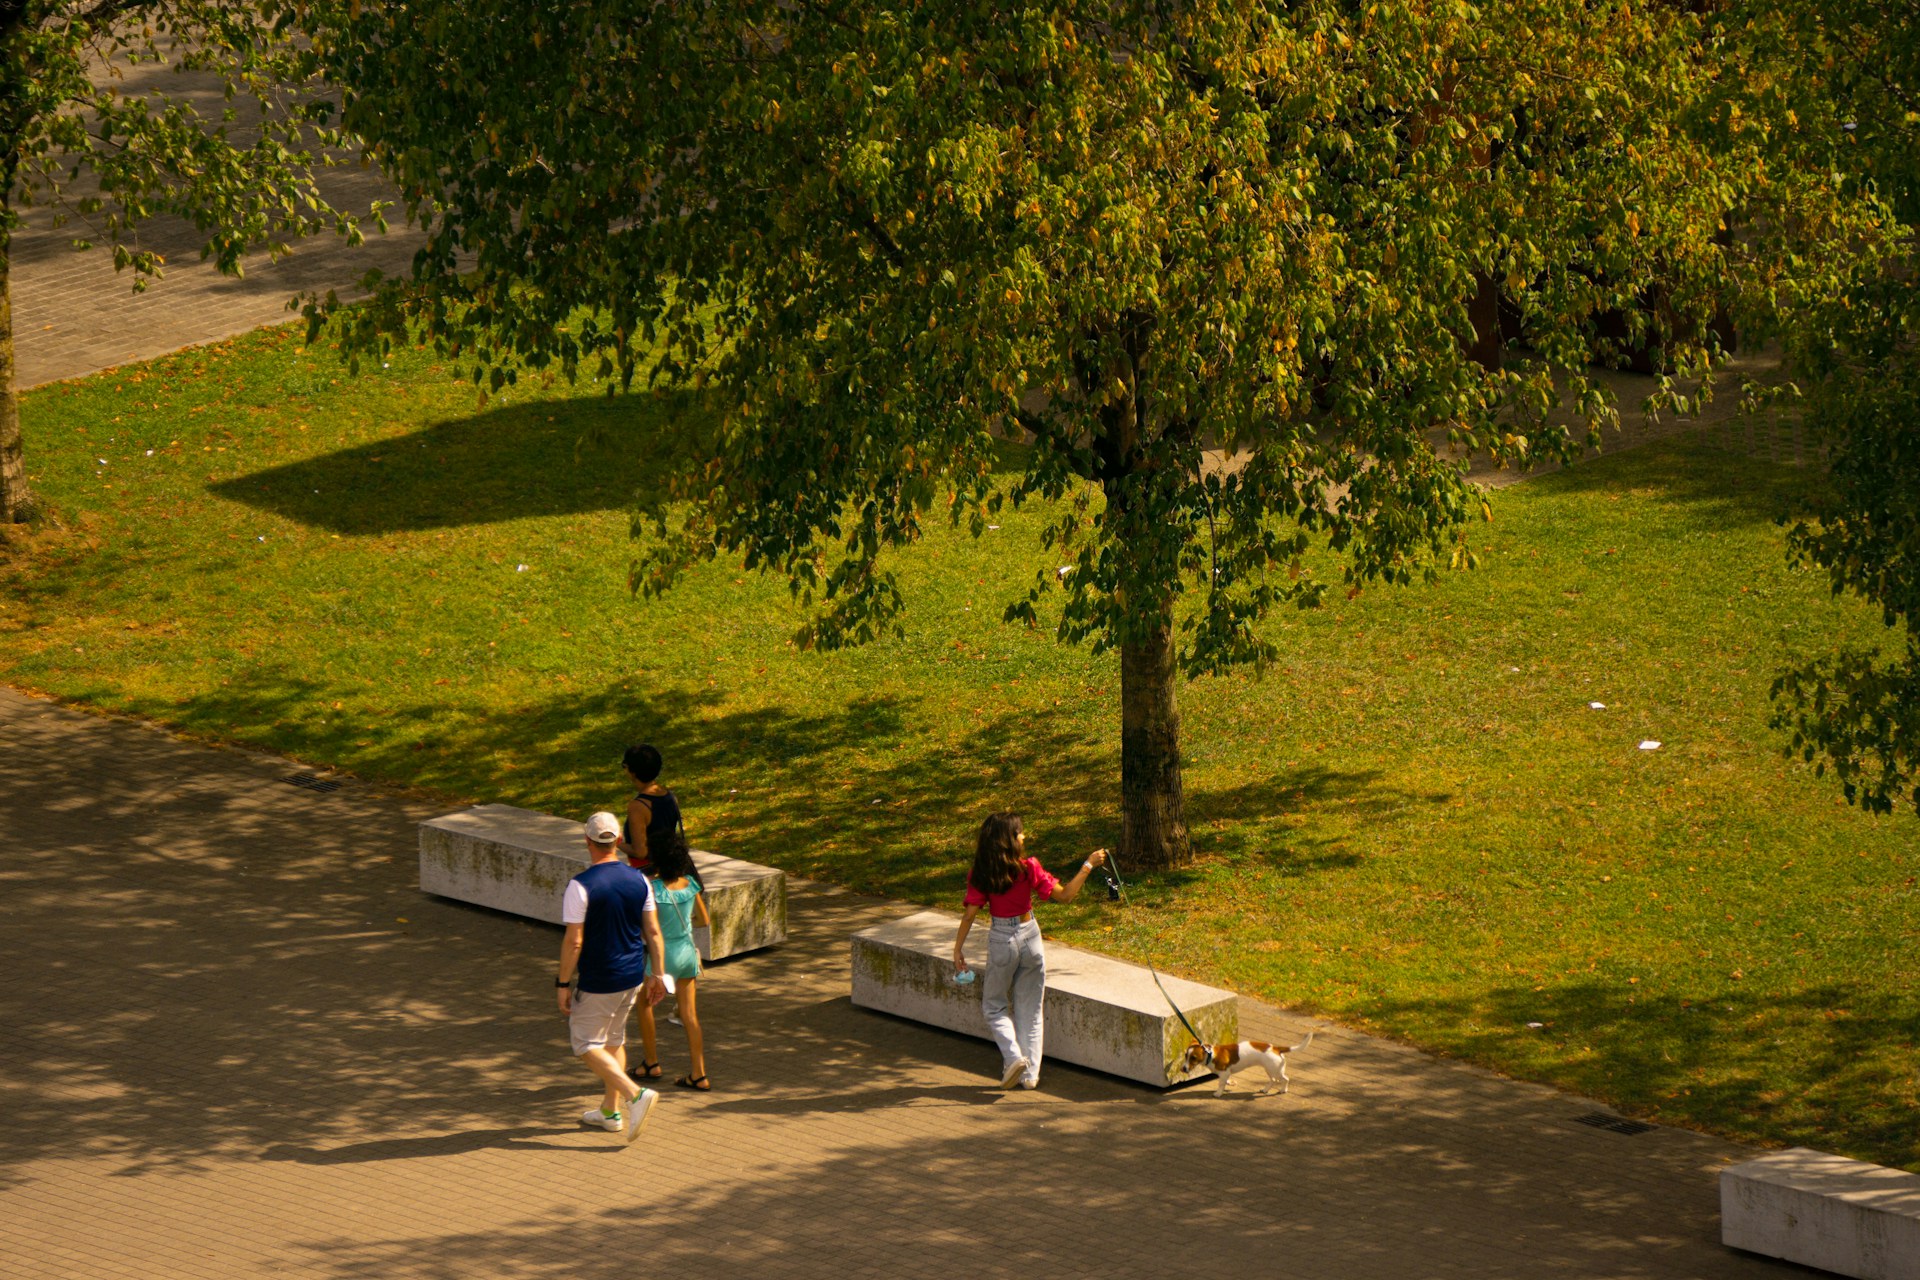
(1483, 312)
(16, 504)
(1153, 810)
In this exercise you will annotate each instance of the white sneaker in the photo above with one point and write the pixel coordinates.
(598, 1119)
(638, 1110)
(674, 1017)
(1029, 1084)
(1011, 1076)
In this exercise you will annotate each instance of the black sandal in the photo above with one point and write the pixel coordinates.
(697, 1083)
(649, 1071)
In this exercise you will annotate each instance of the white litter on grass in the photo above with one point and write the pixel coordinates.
(149, 453)
(1597, 706)
(1063, 571)
(993, 526)
(1513, 671)
(519, 568)
(101, 461)
(261, 538)
(1649, 745)
(1535, 1026)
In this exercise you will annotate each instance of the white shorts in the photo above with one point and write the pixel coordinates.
(599, 1019)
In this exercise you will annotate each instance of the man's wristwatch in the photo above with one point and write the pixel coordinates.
(563, 982)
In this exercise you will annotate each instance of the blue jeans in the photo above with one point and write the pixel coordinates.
(1015, 991)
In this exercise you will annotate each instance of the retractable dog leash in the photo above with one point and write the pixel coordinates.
(1117, 892)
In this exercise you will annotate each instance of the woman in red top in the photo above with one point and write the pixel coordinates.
(1004, 880)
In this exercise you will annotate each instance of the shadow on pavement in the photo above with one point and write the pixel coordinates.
(450, 1144)
(238, 982)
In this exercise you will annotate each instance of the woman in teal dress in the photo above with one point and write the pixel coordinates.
(681, 906)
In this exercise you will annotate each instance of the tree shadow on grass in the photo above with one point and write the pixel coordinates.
(1830, 1067)
(547, 458)
(860, 794)
(1231, 821)
(1719, 490)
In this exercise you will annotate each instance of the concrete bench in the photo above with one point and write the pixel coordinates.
(1101, 1013)
(1824, 1211)
(517, 860)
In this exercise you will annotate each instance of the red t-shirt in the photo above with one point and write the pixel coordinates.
(1017, 900)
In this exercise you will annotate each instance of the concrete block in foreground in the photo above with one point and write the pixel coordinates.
(518, 860)
(1824, 1211)
(1101, 1013)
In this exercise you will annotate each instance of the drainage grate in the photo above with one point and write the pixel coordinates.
(1613, 1124)
(311, 782)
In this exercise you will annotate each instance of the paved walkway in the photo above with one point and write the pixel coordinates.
(74, 315)
(238, 1041)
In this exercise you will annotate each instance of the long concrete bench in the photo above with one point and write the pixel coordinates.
(1824, 1211)
(1101, 1013)
(517, 860)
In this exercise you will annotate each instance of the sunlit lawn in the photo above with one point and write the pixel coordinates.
(1416, 825)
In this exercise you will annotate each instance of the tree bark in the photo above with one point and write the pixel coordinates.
(16, 503)
(1153, 808)
(1483, 312)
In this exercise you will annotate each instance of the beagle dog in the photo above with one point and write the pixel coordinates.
(1228, 1060)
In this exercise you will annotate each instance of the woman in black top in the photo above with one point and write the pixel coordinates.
(655, 813)
(653, 808)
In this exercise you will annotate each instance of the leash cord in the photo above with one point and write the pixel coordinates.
(1120, 895)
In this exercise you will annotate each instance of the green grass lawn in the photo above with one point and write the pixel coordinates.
(1416, 824)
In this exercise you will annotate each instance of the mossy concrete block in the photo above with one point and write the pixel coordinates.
(518, 860)
(1101, 1013)
(1844, 1216)
(748, 903)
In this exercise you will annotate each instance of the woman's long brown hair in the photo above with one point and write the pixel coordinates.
(996, 857)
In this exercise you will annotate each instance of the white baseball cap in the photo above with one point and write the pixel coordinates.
(603, 828)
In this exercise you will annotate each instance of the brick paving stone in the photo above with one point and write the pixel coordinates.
(239, 1042)
(75, 315)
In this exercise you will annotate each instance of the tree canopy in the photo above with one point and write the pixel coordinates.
(77, 143)
(1848, 88)
(1233, 275)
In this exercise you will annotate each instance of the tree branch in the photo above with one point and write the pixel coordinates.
(105, 12)
(893, 252)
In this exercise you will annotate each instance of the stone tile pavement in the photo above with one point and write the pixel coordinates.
(236, 1041)
(75, 315)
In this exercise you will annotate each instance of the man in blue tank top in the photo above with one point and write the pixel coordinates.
(613, 949)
